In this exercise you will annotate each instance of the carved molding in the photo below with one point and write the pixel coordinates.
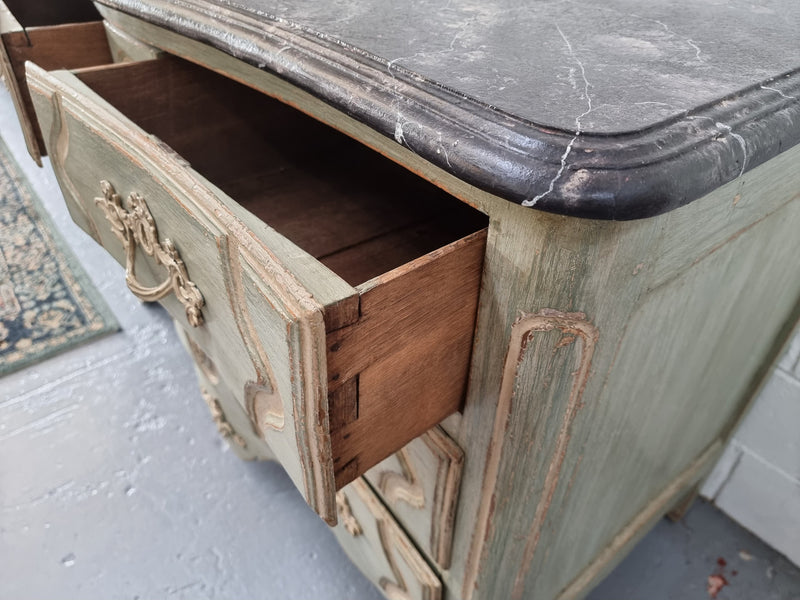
(264, 407)
(404, 486)
(226, 430)
(397, 550)
(349, 521)
(263, 402)
(203, 362)
(575, 328)
(58, 149)
(135, 227)
(397, 589)
(421, 483)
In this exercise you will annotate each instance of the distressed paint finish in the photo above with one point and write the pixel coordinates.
(373, 539)
(125, 48)
(687, 327)
(193, 214)
(557, 347)
(683, 313)
(420, 484)
(233, 422)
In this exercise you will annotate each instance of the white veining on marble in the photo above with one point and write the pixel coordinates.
(727, 129)
(578, 121)
(777, 91)
(399, 135)
(505, 53)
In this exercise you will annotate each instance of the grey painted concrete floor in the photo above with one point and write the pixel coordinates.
(115, 484)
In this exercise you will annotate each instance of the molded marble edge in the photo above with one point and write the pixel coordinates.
(618, 176)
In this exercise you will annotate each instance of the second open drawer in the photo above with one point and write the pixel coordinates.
(335, 291)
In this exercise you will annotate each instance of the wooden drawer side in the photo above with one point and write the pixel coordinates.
(67, 46)
(407, 356)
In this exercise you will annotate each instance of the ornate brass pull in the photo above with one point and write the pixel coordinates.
(135, 227)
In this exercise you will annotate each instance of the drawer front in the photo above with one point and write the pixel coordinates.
(380, 548)
(233, 290)
(232, 421)
(55, 34)
(420, 484)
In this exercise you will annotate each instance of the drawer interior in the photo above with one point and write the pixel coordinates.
(412, 252)
(38, 13)
(54, 34)
(355, 211)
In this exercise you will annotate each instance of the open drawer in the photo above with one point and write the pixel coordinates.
(334, 291)
(55, 34)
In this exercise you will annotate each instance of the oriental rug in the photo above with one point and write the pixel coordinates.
(47, 303)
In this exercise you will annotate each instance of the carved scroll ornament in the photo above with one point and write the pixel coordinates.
(134, 226)
(349, 521)
(226, 430)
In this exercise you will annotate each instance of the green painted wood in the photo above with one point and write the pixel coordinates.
(372, 538)
(420, 484)
(685, 324)
(230, 417)
(199, 220)
(126, 48)
(688, 309)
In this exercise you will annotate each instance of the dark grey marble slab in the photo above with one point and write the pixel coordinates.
(607, 66)
(615, 109)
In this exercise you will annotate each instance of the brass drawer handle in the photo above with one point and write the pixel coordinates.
(134, 226)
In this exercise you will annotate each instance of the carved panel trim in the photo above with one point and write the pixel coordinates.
(203, 361)
(397, 549)
(349, 521)
(262, 401)
(135, 227)
(226, 430)
(404, 486)
(575, 327)
(59, 150)
(424, 502)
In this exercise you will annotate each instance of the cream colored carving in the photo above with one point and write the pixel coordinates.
(262, 400)
(404, 486)
(445, 497)
(572, 325)
(203, 362)
(225, 428)
(420, 483)
(351, 525)
(264, 407)
(398, 550)
(394, 590)
(59, 150)
(134, 226)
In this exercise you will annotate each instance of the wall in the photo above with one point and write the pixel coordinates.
(757, 480)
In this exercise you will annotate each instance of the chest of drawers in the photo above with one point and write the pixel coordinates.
(491, 351)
